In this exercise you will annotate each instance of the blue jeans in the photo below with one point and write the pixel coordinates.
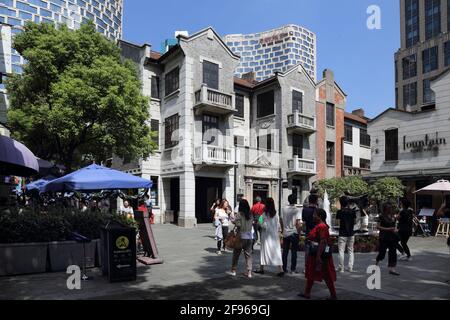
(291, 242)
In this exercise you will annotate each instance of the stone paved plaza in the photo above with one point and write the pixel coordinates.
(192, 270)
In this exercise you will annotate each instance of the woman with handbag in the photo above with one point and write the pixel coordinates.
(270, 239)
(222, 221)
(244, 228)
(388, 238)
(319, 262)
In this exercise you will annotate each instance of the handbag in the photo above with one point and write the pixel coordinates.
(233, 240)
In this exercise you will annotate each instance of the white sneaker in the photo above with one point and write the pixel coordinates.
(341, 270)
(231, 273)
(351, 270)
(219, 253)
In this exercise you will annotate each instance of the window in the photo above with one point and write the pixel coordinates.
(432, 18)
(430, 59)
(348, 161)
(265, 142)
(171, 126)
(297, 145)
(448, 22)
(364, 138)
(330, 114)
(155, 87)
(266, 104)
(391, 142)
(154, 127)
(409, 65)
(211, 74)
(447, 51)
(297, 101)
(239, 141)
(410, 94)
(154, 192)
(428, 94)
(364, 164)
(297, 190)
(412, 22)
(330, 153)
(210, 127)
(239, 106)
(348, 131)
(172, 81)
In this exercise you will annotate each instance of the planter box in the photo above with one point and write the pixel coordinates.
(65, 254)
(23, 258)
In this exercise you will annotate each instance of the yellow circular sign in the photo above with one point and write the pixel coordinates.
(122, 243)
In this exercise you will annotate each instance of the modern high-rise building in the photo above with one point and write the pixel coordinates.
(279, 49)
(424, 52)
(106, 14)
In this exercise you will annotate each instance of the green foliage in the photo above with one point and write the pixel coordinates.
(28, 226)
(77, 100)
(387, 189)
(337, 186)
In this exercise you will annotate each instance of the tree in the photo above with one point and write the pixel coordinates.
(386, 189)
(77, 101)
(336, 187)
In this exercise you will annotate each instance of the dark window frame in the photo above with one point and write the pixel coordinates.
(412, 24)
(154, 127)
(447, 48)
(155, 188)
(364, 138)
(211, 74)
(410, 94)
(269, 138)
(391, 145)
(155, 83)
(297, 145)
(297, 101)
(432, 19)
(430, 59)
(210, 122)
(331, 153)
(348, 161)
(364, 164)
(240, 106)
(172, 81)
(171, 124)
(409, 66)
(348, 133)
(429, 95)
(331, 114)
(265, 104)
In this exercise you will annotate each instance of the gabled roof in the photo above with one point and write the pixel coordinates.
(356, 118)
(336, 84)
(216, 35)
(295, 68)
(398, 110)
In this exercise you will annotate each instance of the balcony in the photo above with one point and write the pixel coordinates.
(301, 124)
(211, 155)
(213, 101)
(302, 167)
(350, 172)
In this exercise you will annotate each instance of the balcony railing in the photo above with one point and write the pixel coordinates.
(214, 101)
(350, 171)
(301, 123)
(302, 166)
(214, 155)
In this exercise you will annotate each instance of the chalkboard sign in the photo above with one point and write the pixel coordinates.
(119, 252)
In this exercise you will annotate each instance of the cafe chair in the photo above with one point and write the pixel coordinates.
(443, 228)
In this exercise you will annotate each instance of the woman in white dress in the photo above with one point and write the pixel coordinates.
(270, 239)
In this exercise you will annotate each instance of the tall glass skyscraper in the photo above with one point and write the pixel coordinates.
(274, 50)
(106, 14)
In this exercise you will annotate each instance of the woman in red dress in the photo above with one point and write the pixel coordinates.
(320, 266)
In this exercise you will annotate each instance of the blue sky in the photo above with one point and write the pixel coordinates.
(362, 59)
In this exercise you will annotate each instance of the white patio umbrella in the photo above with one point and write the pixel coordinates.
(442, 187)
(327, 207)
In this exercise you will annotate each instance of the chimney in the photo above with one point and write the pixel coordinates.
(250, 76)
(359, 112)
(328, 74)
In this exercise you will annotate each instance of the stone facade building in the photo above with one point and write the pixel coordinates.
(224, 137)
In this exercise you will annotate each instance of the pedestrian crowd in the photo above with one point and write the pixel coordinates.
(279, 235)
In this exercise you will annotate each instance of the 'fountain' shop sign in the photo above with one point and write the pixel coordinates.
(429, 143)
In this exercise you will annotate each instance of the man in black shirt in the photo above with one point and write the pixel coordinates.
(346, 217)
(308, 213)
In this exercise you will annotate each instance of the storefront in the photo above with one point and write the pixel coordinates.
(414, 146)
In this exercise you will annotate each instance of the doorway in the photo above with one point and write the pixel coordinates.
(262, 191)
(207, 190)
(175, 198)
